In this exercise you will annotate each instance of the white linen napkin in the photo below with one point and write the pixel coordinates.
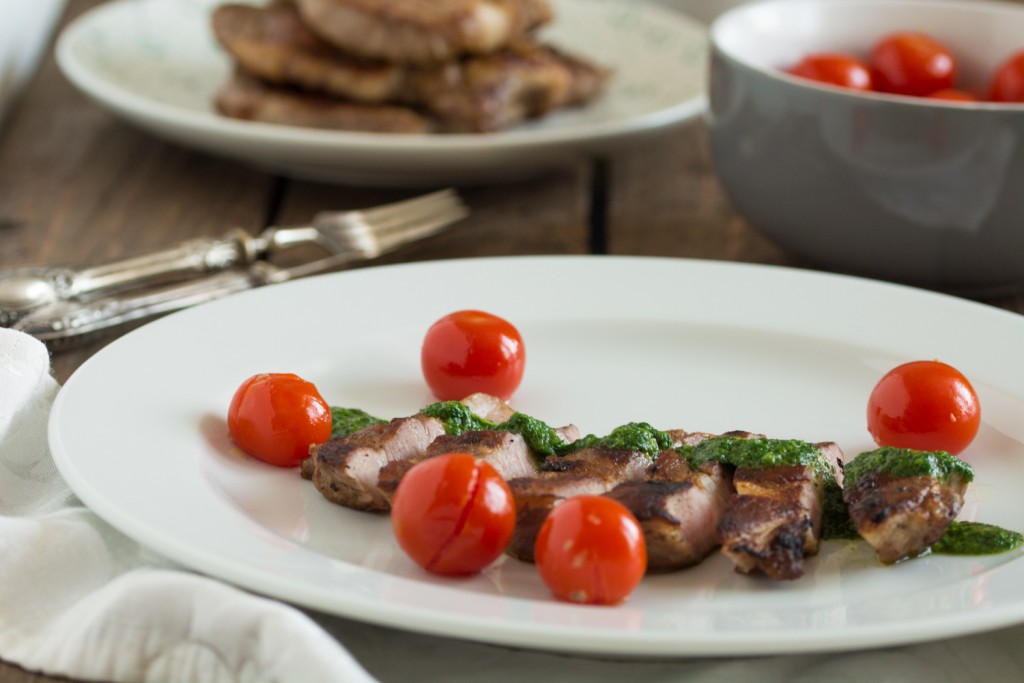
(79, 599)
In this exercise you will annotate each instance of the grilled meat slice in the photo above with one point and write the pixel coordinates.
(774, 521)
(678, 508)
(247, 98)
(589, 471)
(507, 452)
(478, 94)
(346, 471)
(423, 31)
(903, 501)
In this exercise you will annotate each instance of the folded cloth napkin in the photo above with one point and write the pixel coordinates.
(79, 599)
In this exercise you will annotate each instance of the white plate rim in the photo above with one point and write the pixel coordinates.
(532, 633)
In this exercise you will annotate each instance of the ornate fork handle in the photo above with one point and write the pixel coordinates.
(69, 321)
(25, 289)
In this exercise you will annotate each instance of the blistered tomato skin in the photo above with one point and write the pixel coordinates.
(591, 550)
(275, 417)
(453, 514)
(925, 405)
(472, 351)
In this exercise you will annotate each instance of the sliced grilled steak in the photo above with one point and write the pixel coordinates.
(247, 98)
(902, 501)
(508, 453)
(423, 31)
(678, 508)
(774, 521)
(346, 471)
(593, 470)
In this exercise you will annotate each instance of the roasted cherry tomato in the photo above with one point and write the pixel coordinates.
(926, 405)
(472, 351)
(952, 95)
(910, 63)
(834, 68)
(453, 514)
(275, 417)
(591, 550)
(1008, 80)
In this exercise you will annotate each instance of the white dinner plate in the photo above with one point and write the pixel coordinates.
(139, 433)
(155, 63)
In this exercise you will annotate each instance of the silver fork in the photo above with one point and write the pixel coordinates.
(70, 321)
(362, 232)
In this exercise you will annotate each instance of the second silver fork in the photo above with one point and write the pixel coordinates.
(69, 322)
(340, 233)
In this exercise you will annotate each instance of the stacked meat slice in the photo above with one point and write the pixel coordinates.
(402, 66)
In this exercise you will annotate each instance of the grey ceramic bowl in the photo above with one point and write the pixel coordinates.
(897, 188)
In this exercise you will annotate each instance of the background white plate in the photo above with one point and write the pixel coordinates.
(156, 63)
(139, 434)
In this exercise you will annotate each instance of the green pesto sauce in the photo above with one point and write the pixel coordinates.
(457, 418)
(975, 538)
(634, 436)
(345, 421)
(541, 438)
(761, 452)
(906, 462)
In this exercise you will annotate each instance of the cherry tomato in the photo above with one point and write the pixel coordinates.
(926, 405)
(834, 68)
(591, 550)
(472, 351)
(910, 63)
(453, 514)
(275, 417)
(1008, 80)
(952, 95)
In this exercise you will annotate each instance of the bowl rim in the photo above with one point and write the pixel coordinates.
(724, 21)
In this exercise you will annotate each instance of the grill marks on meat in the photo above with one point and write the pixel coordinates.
(290, 76)
(589, 471)
(346, 471)
(774, 522)
(363, 470)
(423, 31)
(901, 517)
(678, 508)
(507, 452)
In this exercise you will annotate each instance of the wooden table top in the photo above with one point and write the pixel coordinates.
(80, 187)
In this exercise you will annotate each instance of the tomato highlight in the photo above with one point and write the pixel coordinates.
(453, 514)
(834, 68)
(591, 550)
(924, 405)
(472, 351)
(912, 63)
(275, 417)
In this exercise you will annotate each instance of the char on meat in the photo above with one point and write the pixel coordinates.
(679, 508)
(901, 512)
(347, 470)
(588, 471)
(774, 521)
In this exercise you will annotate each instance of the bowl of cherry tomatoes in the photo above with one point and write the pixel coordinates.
(882, 138)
